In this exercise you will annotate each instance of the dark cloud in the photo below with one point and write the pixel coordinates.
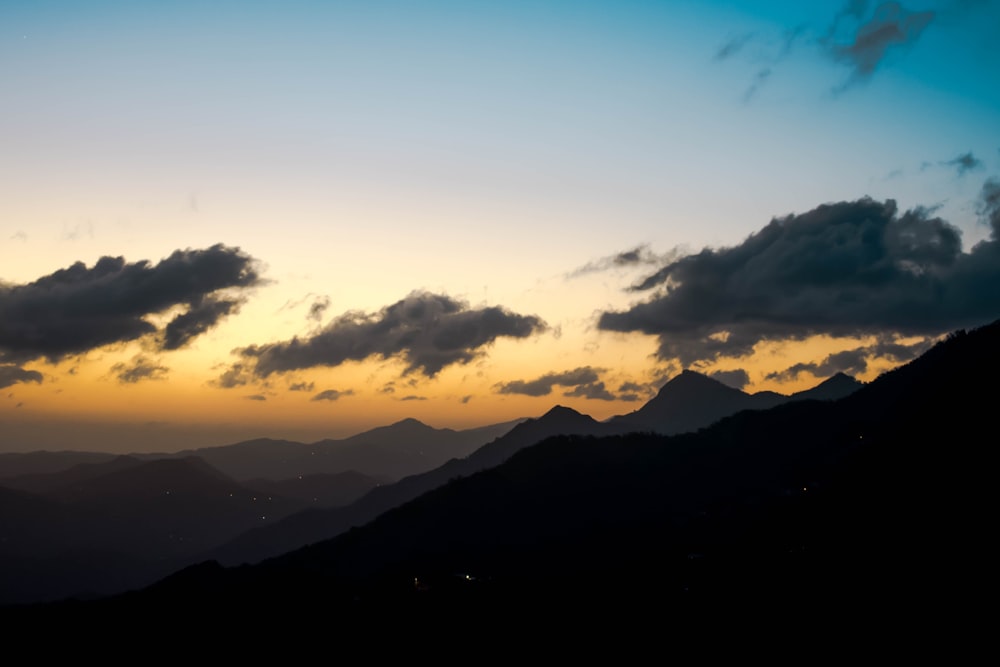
(542, 386)
(855, 361)
(318, 308)
(78, 308)
(139, 368)
(11, 374)
(737, 378)
(843, 269)
(428, 331)
(989, 206)
(256, 397)
(638, 256)
(466, 399)
(592, 390)
(965, 163)
(302, 386)
(201, 316)
(331, 395)
(890, 26)
(413, 397)
(236, 375)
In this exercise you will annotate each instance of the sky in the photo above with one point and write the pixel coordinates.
(301, 220)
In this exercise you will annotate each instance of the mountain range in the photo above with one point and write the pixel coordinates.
(109, 523)
(821, 527)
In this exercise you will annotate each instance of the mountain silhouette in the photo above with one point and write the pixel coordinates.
(691, 401)
(106, 527)
(397, 450)
(315, 524)
(855, 519)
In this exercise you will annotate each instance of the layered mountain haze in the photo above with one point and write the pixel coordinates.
(241, 503)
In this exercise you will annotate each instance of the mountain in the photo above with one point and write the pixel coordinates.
(835, 387)
(323, 490)
(691, 401)
(103, 528)
(861, 522)
(14, 464)
(400, 449)
(313, 525)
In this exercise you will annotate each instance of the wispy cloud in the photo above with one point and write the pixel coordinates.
(138, 369)
(635, 257)
(965, 163)
(868, 42)
(331, 395)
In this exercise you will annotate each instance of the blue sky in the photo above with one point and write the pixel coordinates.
(507, 155)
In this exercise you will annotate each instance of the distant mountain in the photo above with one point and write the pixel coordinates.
(835, 387)
(81, 473)
(102, 528)
(15, 464)
(323, 490)
(314, 525)
(404, 448)
(691, 401)
(838, 519)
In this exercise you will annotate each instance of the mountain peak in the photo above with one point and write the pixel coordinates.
(836, 386)
(411, 422)
(561, 411)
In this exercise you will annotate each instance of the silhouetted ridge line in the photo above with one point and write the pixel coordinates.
(871, 507)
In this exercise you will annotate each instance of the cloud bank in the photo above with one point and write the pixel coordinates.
(427, 331)
(857, 268)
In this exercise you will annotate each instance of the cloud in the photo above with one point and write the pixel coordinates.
(318, 308)
(583, 382)
(965, 163)
(638, 256)
(302, 386)
(989, 206)
(331, 395)
(732, 46)
(19, 236)
(236, 375)
(413, 397)
(759, 80)
(11, 374)
(867, 44)
(593, 390)
(82, 308)
(854, 361)
(427, 331)
(542, 386)
(139, 368)
(256, 397)
(737, 378)
(844, 269)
